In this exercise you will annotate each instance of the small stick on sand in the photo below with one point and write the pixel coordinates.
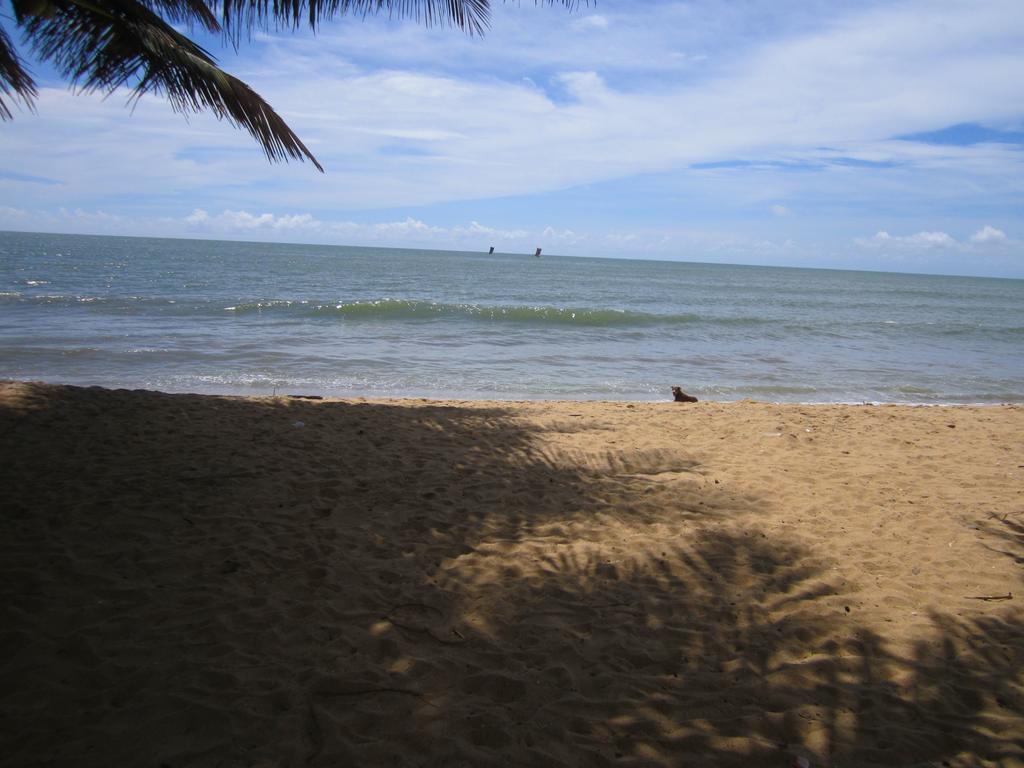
(1007, 596)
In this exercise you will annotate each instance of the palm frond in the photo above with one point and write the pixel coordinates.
(186, 11)
(470, 15)
(15, 81)
(105, 44)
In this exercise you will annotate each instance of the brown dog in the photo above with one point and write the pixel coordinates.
(682, 397)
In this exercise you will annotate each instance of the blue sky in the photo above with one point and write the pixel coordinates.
(885, 135)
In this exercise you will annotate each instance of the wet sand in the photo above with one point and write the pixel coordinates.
(192, 580)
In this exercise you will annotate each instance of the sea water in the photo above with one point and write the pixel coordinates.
(258, 318)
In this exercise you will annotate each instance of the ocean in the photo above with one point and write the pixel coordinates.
(260, 318)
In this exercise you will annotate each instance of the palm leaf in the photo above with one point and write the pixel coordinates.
(105, 44)
(15, 81)
(185, 11)
(470, 15)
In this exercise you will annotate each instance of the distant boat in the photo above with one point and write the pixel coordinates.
(537, 254)
(491, 251)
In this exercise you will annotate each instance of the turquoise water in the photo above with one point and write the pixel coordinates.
(254, 318)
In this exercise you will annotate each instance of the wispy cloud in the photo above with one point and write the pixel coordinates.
(717, 111)
(776, 99)
(988, 234)
(593, 21)
(919, 240)
(923, 240)
(243, 220)
(407, 230)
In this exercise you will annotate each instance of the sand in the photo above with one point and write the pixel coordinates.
(215, 581)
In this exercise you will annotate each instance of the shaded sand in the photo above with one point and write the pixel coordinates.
(200, 581)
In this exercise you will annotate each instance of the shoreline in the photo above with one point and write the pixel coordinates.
(315, 396)
(461, 328)
(203, 579)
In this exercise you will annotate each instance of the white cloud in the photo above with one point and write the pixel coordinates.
(402, 116)
(391, 138)
(405, 231)
(404, 227)
(622, 238)
(919, 240)
(584, 85)
(13, 216)
(989, 234)
(682, 56)
(594, 21)
(930, 239)
(476, 229)
(565, 236)
(243, 220)
(986, 236)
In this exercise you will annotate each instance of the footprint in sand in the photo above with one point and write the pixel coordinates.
(420, 617)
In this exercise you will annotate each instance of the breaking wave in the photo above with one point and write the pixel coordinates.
(407, 309)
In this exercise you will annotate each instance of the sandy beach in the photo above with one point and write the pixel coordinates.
(195, 580)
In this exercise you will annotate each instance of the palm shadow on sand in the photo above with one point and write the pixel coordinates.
(372, 584)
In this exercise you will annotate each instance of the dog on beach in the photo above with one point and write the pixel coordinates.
(681, 397)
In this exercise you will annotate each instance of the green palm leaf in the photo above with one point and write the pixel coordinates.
(106, 44)
(102, 45)
(15, 80)
(470, 15)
